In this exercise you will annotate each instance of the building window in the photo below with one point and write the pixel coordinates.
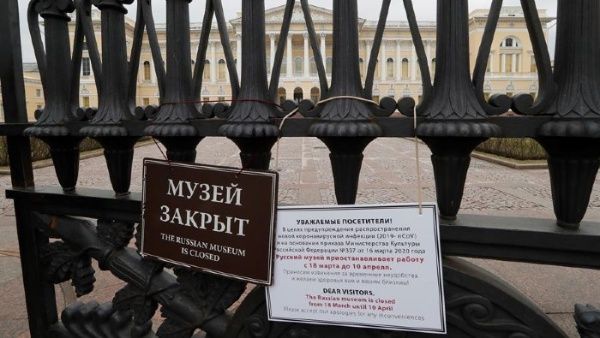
(146, 101)
(284, 66)
(298, 66)
(389, 68)
(206, 71)
(313, 67)
(315, 94)
(405, 68)
(509, 63)
(298, 95)
(281, 94)
(510, 59)
(38, 93)
(85, 101)
(86, 69)
(361, 63)
(222, 70)
(533, 68)
(510, 42)
(147, 74)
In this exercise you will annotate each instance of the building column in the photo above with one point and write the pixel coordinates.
(324, 47)
(368, 54)
(514, 63)
(289, 51)
(413, 64)
(238, 37)
(398, 60)
(429, 56)
(491, 62)
(213, 63)
(383, 62)
(503, 63)
(272, 52)
(306, 56)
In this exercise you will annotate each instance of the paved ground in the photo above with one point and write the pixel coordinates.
(388, 176)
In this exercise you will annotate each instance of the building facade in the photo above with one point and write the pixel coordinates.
(511, 67)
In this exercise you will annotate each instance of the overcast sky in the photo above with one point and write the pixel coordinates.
(368, 9)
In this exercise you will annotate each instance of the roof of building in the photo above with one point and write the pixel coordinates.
(30, 67)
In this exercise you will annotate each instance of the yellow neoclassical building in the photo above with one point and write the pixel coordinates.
(511, 67)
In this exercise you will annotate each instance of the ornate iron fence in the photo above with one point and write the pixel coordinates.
(453, 119)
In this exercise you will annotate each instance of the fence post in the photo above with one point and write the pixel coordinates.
(249, 121)
(572, 138)
(455, 120)
(39, 294)
(172, 126)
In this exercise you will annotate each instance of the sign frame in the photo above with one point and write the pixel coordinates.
(273, 219)
(438, 260)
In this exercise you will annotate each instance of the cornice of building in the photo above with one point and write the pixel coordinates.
(323, 15)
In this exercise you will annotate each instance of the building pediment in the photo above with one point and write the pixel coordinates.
(274, 15)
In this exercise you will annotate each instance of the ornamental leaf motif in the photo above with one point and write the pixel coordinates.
(214, 294)
(63, 264)
(58, 259)
(116, 233)
(173, 328)
(133, 300)
(82, 277)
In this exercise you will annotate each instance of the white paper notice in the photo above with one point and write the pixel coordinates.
(364, 266)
